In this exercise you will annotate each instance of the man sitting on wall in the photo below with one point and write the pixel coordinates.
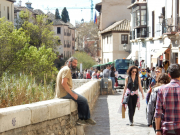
(64, 90)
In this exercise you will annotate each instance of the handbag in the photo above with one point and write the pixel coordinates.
(126, 99)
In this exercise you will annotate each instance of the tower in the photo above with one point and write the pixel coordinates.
(28, 5)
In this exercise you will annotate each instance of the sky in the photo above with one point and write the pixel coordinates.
(74, 14)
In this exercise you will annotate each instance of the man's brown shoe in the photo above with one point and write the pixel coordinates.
(81, 122)
(90, 121)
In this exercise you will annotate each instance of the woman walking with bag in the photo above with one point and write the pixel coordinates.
(112, 77)
(130, 94)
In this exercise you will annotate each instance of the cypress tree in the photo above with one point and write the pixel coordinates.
(65, 15)
(57, 16)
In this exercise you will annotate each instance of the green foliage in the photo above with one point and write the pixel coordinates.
(40, 32)
(86, 60)
(39, 61)
(11, 42)
(65, 15)
(57, 16)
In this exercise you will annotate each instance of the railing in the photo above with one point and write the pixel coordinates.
(168, 25)
(140, 35)
(68, 45)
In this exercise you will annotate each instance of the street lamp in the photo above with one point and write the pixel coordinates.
(125, 48)
(161, 18)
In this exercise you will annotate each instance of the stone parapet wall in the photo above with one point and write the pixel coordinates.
(51, 117)
(79, 82)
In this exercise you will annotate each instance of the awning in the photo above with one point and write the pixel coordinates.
(159, 52)
(133, 55)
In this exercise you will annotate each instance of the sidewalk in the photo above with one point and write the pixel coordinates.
(109, 122)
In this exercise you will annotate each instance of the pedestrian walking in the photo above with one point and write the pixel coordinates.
(94, 75)
(84, 74)
(98, 74)
(153, 72)
(88, 76)
(64, 90)
(112, 77)
(158, 71)
(168, 103)
(106, 72)
(132, 84)
(161, 81)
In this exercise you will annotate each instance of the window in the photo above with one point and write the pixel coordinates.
(59, 41)
(153, 23)
(139, 15)
(58, 30)
(8, 13)
(164, 27)
(124, 39)
(107, 39)
(64, 54)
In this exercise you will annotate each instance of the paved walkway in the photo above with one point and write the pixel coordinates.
(109, 122)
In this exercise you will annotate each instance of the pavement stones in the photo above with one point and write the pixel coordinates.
(109, 122)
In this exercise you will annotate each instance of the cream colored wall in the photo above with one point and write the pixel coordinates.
(114, 10)
(118, 52)
(60, 48)
(4, 4)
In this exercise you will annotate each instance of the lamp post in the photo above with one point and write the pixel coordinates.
(125, 48)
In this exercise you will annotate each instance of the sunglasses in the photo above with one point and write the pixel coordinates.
(157, 71)
(134, 72)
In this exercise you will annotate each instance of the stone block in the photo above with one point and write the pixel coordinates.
(80, 130)
(14, 117)
(59, 108)
(39, 112)
(73, 106)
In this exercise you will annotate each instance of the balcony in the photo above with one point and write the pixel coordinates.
(169, 26)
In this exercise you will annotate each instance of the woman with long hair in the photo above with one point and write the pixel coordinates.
(132, 84)
(161, 80)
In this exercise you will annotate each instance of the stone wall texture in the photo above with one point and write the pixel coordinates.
(51, 117)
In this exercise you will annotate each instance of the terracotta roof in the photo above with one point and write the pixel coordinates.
(70, 25)
(12, 0)
(58, 22)
(123, 25)
(28, 9)
(39, 12)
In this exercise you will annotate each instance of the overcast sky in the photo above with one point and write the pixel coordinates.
(74, 14)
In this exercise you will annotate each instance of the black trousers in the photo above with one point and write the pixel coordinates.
(132, 106)
(83, 107)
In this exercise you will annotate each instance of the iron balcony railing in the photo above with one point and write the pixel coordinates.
(171, 25)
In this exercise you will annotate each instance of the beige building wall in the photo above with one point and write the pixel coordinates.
(113, 48)
(112, 11)
(118, 52)
(7, 10)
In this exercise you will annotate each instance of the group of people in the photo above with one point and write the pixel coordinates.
(163, 98)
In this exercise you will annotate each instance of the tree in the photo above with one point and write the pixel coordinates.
(11, 41)
(65, 15)
(40, 31)
(87, 37)
(86, 60)
(57, 16)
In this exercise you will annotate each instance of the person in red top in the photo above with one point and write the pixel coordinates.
(88, 76)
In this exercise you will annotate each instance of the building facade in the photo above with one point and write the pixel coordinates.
(153, 40)
(112, 12)
(113, 39)
(7, 9)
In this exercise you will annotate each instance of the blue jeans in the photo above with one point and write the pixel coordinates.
(83, 107)
(113, 82)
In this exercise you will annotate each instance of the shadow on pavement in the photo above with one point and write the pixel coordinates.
(101, 116)
(140, 124)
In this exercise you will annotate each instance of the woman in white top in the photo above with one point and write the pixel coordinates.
(94, 75)
(85, 72)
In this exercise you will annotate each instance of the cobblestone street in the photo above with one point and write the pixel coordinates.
(109, 122)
